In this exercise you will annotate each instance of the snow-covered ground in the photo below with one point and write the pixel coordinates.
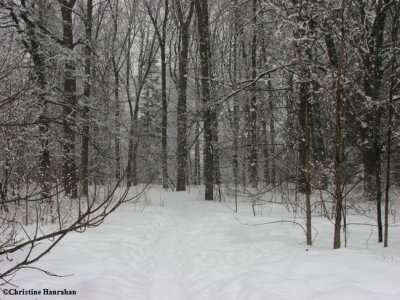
(178, 247)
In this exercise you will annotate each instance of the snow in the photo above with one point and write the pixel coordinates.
(179, 247)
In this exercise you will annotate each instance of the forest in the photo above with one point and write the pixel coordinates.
(243, 99)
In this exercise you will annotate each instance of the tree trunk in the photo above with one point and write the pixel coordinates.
(164, 121)
(394, 81)
(267, 175)
(32, 45)
(70, 177)
(215, 135)
(131, 177)
(205, 58)
(272, 137)
(116, 73)
(134, 137)
(371, 150)
(304, 150)
(253, 107)
(338, 197)
(307, 176)
(44, 165)
(197, 169)
(86, 94)
(304, 128)
(236, 118)
(144, 64)
(117, 125)
(182, 152)
(338, 145)
(164, 110)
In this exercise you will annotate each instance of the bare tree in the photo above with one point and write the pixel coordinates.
(373, 35)
(338, 143)
(394, 81)
(162, 40)
(304, 121)
(145, 61)
(183, 24)
(92, 213)
(86, 93)
(205, 60)
(253, 159)
(26, 27)
(70, 176)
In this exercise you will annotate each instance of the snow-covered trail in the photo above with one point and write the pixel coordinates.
(181, 248)
(175, 241)
(190, 245)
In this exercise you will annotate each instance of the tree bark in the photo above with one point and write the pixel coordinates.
(394, 81)
(370, 134)
(129, 168)
(164, 121)
(164, 110)
(272, 137)
(117, 124)
(267, 175)
(116, 74)
(236, 108)
(205, 57)
(70, 177)
(86, 94)
(197, 168)
(304, 128)
(44, 165)
(182, 152)
(253, 176)
(338, 144)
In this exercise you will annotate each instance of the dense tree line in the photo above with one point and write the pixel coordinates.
(251, 96)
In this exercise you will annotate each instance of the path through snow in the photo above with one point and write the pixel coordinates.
(181, 248)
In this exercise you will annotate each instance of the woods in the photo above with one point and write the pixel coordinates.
(242, 98)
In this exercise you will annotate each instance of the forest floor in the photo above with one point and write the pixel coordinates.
(174, 246)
